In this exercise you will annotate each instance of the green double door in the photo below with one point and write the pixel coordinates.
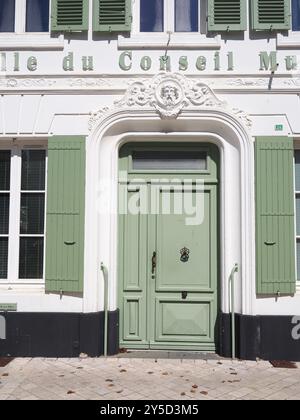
(168, 246)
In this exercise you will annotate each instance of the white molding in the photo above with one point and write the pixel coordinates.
(237, 193)
(169, 94)
(116, 84)
(152, 41)
(30, 41)
(290, 41)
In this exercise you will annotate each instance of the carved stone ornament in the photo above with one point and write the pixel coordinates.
(169, 94)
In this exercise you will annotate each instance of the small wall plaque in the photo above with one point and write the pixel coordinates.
(8, 307)
(278, 127)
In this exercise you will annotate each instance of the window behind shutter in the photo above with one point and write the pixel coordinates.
(65, 214)
(268, 15)
(112, 16)
(224, 15)
(275, 222)
(69, 15)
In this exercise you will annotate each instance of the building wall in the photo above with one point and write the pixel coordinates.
(57, 98)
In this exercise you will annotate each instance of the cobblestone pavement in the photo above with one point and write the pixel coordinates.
(137, 379)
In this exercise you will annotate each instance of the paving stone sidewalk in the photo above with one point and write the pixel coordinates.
(138, 379)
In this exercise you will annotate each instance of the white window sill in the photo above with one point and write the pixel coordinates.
(290, 41)
(10, 289)
(161, 41)
(30, 41)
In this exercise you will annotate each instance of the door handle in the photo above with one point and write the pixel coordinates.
(270, 243)
(153, 261)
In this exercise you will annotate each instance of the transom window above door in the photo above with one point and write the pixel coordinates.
(169, 15)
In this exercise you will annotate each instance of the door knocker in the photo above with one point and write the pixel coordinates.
(184, 255)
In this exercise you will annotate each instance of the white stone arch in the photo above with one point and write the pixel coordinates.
(211, 121)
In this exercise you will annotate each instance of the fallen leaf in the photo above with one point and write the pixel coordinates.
(204, 393)
(4, 361)
(5, 374)
(70, 392)
(195, 386)
(123, 370)
(283, 364)
(233, 373)
(150, 373)
(219, 363)
(192, 391)
(183, 394)
(108, 380)
(80, 367)
(119, 392)
(165, 373)
(110, 385)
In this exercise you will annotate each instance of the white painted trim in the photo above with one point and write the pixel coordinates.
(31, 41)
(290, 41)
(179, 41)
(237, 185)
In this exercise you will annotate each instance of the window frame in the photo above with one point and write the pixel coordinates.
(21, 40)
(169, 18)
(296, 195)
(293, 38)
(20, 20)
(174, 40)
(14, 235)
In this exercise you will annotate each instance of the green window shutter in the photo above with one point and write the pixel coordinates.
(275, 221)
(65, 214)
(112, 16)
(268, 15)
(227, 15)
(69, 15)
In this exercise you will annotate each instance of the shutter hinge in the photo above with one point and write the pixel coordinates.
(61, 293)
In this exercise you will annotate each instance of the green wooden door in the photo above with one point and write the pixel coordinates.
(168, 256)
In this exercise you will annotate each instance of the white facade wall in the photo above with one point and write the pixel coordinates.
(36, 104)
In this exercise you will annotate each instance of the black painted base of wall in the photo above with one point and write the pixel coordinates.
(263, 337)
(58, 334)
(69, 335)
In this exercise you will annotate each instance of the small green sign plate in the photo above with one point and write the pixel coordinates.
(278, 127)
(8, 307)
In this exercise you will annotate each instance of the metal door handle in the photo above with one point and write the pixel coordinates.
(153, 262)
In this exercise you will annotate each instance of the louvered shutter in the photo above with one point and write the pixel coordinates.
(275, 220)
(268, 15)
(227, 15)
(65, 214)
(112, 16)
(69, 15)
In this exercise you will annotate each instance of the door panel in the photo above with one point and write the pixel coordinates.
(188, 321)
(134, 319)
(185, 291)
(133, 275)
(175, 306)
(172, 236)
